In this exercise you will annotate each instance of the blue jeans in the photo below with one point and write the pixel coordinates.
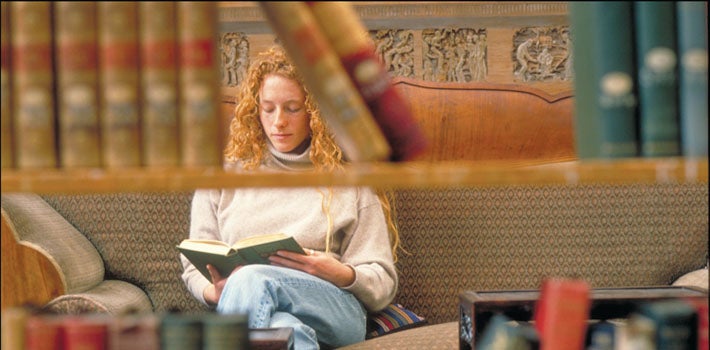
(318, 311)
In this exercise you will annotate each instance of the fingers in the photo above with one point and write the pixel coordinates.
(214, 273)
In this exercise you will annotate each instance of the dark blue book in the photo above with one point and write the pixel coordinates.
(671, 324)
(693, 89)
(657, 78)
(587, 124)
(614, 77)
(601, 336)
(606, 102)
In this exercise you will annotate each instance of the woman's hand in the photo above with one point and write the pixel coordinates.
(317, 264)
(214, 291)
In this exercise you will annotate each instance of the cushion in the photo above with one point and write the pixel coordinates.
(435, 336)
(392, 318)
(697, 278)
(110, 296)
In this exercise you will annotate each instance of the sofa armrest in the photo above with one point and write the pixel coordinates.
(37, 226)
(697, 279)
(110, 296)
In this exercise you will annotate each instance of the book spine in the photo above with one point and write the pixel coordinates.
(615, 78)
(134, 332)
(77, 82)
(672, 323)
(352, 43)
(225, 332)
(119, 84)
(271, 338)
(656, 59)
(14, 319)
(342, 107)
(43, 331)
(85, 332)
(34, 117)
(561, 314)
(601, 336)
(180, 332)
(501, 334)
(159, 88)
(200, 137)
(587, 126)
(702, 312)
(693, 87)
(6, 135)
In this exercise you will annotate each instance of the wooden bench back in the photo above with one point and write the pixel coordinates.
(485, 121)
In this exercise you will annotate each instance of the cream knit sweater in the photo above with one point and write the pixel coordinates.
(359, 230)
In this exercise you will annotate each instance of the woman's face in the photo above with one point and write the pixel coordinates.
(282, 112)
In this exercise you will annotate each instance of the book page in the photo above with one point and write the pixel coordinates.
(205, 245)
(259, 239)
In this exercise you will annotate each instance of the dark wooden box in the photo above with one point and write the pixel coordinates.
(477, 307)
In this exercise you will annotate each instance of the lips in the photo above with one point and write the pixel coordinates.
(280, 136)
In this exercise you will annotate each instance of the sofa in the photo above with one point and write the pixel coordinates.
(116, 252)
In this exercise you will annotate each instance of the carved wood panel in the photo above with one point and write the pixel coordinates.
(457, 42)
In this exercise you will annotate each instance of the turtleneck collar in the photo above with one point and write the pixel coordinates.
(289, 161)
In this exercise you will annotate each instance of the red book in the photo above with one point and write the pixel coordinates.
(33, 84)
(44, 332)
(159, 88)
(350, 39)
(701, 307)
(134, 332)
(77, 82)
(561, 313)
(200, 133)
(86, 332)
(119, 83)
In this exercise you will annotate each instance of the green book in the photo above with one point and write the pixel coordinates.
(656, 59)
(693, 86)
(587, 126)
(251, 250)
(671, 324)
(225, 332)
(614, 78)
(180, 331)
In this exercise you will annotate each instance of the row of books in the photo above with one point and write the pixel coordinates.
(26, 329)
(641, 78)
(137, 83)
(561, 320)
(110, 84)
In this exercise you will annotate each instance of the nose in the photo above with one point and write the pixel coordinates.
(280, 119)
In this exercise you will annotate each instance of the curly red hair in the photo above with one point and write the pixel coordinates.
(247, 143)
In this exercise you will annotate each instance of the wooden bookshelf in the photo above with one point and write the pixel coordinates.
(379, 175)
(476, 308)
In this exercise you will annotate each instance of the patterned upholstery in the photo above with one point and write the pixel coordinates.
(443, 336)
(464, 238)
(512, 237)
(136, 235)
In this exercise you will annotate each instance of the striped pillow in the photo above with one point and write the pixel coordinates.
(392, 318)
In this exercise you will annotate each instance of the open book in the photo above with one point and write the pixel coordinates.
(251, 250)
